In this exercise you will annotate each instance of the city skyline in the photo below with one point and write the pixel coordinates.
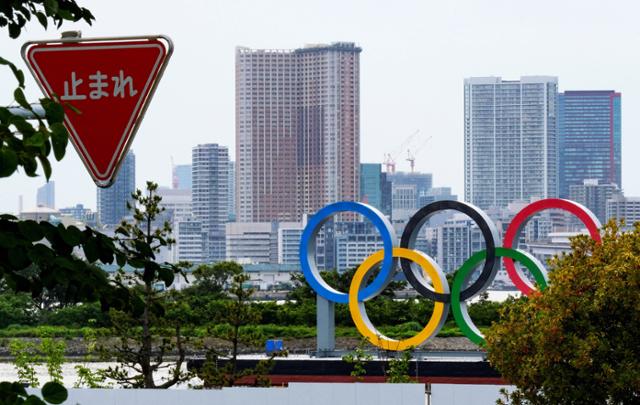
(403, 54)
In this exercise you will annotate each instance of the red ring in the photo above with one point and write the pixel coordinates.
(583, 213)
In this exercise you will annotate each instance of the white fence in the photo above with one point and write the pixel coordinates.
(462, 394)
(294, 394)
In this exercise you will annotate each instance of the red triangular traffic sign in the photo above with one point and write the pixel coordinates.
(109, 83)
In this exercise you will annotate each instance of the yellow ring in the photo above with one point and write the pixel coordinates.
(359, 314)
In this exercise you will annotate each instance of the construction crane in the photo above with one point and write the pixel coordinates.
(389, 163)
(411, 157)
(390, 158)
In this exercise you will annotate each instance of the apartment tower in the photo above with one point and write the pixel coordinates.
(297, 130)
(209, 193)
(510, 140)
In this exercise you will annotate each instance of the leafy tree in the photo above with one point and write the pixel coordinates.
(140, 350)
(236, 313)
(25, 359)
(577, 342)
(27, 355)
(398, 371)
(359, 358)
(210, 283)
(14, 14)
(213, 278)
(17, 309)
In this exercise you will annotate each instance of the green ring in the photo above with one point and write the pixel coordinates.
(460, 311)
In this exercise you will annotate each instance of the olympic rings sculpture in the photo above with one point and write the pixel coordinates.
(419, 268)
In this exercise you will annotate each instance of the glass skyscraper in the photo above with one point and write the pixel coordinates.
(589, 127)
(375, 189)
(182, 177)
(510, 140)
(112, 201)
(46, 195)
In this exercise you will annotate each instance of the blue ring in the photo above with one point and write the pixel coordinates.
(308, 245)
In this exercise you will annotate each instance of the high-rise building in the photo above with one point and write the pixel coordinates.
(510, 140)
(112, 201)
(80, 213)
(589, 131)
(182, 177)
(594, 196)
(46, 196)
(210, 193)
(404, 201)
(457, 239)
(176, 202)
(627, 208)
(232, 192)
(423, 182)
(437, 194)
(406, 190)
(297, 130)
(375, 189)
(252, 242)
(190, 241)
(289, 235)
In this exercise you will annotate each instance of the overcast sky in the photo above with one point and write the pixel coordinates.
(414, 59)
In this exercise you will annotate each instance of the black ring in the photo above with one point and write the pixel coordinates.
(489, 232)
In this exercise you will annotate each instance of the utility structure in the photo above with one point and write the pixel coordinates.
(411, 157)
(390, 158)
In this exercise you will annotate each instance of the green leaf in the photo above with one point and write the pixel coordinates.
(8, 162)
(30, 230)
(121, 260)
(30, 166)
(18, 258)
(51, 7)
(46, 166)
(22, 125)
(65, 14)
(7, 240)
(54, 112)
(14, 30)
(90, 248)
(33, 400)
(18, 95)
(42, 18)
(71, 235)
(149, 273)
(166, 275)
(122, 231)
(59, 140)
(36, 140)
(5, 115)
(54, 393)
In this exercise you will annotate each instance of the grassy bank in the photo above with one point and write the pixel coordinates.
(268, 331)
